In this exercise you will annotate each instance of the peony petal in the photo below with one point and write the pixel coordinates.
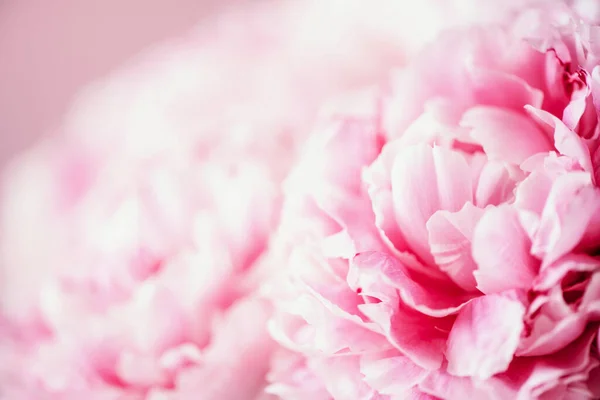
(328, 307)
(385, 278)
(307, 325)
(552, 274)
(501, 251)
(378, 179)
(578, 101)
(343, 378)
(335, 334)
(505, 135)
(484, 337)
(391, 374)
(495, 185)
(501, 89)
(425, 180)
(534, 376)
(156, 320)
(554, 322)
(139, 370)
(554, 326)
(293, 379)
(595, 86)
(591, 238)
(443, 385)
(450, 236)
(571, 204)
(245, 357)
(421, 338)
(566, 141)
(418, 336)
(594, 382)
(341, 146)
(320, 277)
(531, 194)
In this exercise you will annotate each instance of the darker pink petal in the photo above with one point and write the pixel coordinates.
(552, 274)
(534, 376)
(594, 382)
(566, 303)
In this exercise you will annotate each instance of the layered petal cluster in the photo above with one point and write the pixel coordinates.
(148, 279)
(442, 231)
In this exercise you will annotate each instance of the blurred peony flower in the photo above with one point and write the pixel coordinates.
(134, 240)
(442, 231)
(149, 277)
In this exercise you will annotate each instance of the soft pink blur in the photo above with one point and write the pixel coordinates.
(49, 50)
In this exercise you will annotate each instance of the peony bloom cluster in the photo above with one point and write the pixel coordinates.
(436, 237)
(441, 232)
(150, 280)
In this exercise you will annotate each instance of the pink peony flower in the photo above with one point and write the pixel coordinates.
(135, 244)
(442, 231)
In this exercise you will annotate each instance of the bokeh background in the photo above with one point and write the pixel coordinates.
(49, 50)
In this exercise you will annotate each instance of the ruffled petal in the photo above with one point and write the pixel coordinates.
(566, 141)
(502, 89)
(391, 374)
(343, 378)
(379, 184)
(501, 251)
(532, 377)
(495, 184)
(505, 135)
(443, 385)
(385, 278)
(425, 180)
(571, 205)
(421, 338)
(485, 335)
(245, 358)
(450, 236)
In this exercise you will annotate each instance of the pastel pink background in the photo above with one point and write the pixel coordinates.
(50, 49)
